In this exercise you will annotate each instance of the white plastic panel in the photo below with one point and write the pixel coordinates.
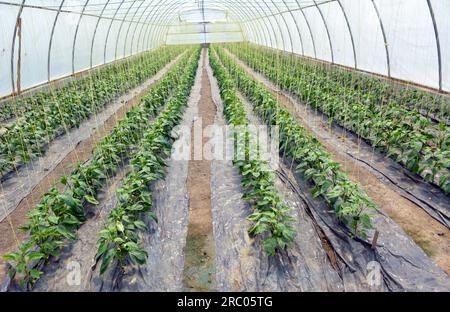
(82, 56)
(154, 37)
(306, 35)
(441, 9)
(224, 37)
(129, 34)
(270, 32)
(295, 35)
(196, 16)
(252, 33)
(119, 40)
(110, 44)
(411, 39)
(319, 32)
(8, 16)
(61, 52)
(339, 33)
(134, 35)
(284, 32)
(367, 35)
(409, 30)
(185, 39)
(264, 32)
(279, 42)
(204, 37)
(36, 28)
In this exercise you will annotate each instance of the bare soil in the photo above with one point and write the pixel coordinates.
(199, 267)
(429, 234)
(11, 236)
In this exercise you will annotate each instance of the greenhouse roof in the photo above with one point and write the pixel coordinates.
(403, 39)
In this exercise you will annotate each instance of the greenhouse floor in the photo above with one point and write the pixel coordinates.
(35, 179)
(201, 240)
(384, 180)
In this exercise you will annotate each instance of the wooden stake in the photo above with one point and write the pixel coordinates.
(375, 239)
(19, 36)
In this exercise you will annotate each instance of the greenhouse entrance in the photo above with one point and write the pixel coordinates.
(264, 146)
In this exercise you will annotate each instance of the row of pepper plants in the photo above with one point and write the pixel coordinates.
(350, 204)
(429, 104)
(54, 221)
(413, 140)
(48, 114)
(270, 217)
(120, 240)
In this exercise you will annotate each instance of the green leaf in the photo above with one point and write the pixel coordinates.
(91, 199)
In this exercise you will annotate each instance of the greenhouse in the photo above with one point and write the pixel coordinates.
(225, 146)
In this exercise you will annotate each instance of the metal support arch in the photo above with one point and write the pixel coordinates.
(142, 26)
(279, 27)
(51, 39)
(95, 31)
(161, 15)
(128, 31)
(386, 45)
(266, 24)
(19, 14)
(75, 36)
(438, 44)
(309, 28)
(326, 28)
(243, 10)
(120, 29)
(296, 26)
(350, 31)
(240, 14)
(109, 29)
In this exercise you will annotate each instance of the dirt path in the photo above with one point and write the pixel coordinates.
(82, 152)
(199, 267)
(429, 234)
(241, 264)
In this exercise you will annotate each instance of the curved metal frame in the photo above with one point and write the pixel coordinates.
(151, 15)
(285, 23)
(128, 30)
(239, 15)
(438, 44)
(247, 13)
(146, 29)
(309, 28)
(120, 29)
(266, 24)
(263, 26)
(350, 31)
(13, 44)
(76, 35)
(51, 39)
(95, 32)
(109, 29)
(253, 27)
(158, 33)
(142, 26)
(296, 26)
(261, 29)
(386, 45)
(326, 28)
(278, 25)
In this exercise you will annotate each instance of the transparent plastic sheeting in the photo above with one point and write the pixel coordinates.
(201, 33)
(404, 39)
